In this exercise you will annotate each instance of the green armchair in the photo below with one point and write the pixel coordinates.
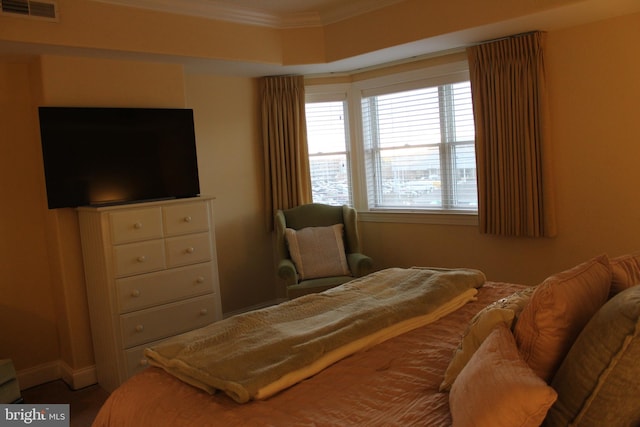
(318, 215)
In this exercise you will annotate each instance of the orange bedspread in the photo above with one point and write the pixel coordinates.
(393, 383)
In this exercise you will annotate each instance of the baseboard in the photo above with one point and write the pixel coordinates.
(79, 378)
(37, 375)
(56, 370)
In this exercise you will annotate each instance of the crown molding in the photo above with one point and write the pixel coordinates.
(204, 9)
(346, 10)
(224, 11)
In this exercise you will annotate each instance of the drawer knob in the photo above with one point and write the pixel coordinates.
(204, 311)
(135, 293)
(144, 362)
(200, 279)
(187, 219)
(142, 258)
(139, 328)
(191, 250)
(137, 225)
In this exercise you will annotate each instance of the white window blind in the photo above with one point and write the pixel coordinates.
(327, 136)
(419, 149)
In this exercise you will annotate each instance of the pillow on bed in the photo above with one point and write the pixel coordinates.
(505, 310)
(599, 381)
(558, 310)
(497, 388)
(626, 272)
(318, 251)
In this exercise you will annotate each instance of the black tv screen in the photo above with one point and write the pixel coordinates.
(102, 156)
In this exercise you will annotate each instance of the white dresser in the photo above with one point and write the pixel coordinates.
(151, 273)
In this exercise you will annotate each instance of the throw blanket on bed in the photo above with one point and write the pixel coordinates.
(256, 354)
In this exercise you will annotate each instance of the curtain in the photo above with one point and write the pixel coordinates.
(284, 135)
(515, 196)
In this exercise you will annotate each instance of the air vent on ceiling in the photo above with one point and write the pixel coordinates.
(29, 8)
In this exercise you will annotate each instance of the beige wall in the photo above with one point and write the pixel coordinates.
(592, 72)
(114, 28)
(230, 168)
(27, 310)
(593, 90)
(94, 24)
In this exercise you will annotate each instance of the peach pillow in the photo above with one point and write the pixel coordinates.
(626, 272)
(497, 388)
(558, 310)
(505, 310)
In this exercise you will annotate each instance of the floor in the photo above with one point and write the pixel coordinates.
(83, 404)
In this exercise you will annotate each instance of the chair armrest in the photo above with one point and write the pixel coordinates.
(359, 264)
(287, 272)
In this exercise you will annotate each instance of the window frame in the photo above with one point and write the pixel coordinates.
(343, 92)
(353, 93)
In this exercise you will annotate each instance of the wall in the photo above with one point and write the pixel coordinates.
(27, 310)
(595, 87)
(138, 31)
(593, 91)
(231, 169)
(453, 20)
(132, 30)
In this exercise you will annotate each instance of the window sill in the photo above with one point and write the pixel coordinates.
(421, 217)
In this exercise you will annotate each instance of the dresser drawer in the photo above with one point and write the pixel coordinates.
(135, 360)
(147, 290)
(152, 324)
(190, 249)
(186, 218)
(136, 258)
(136, 225)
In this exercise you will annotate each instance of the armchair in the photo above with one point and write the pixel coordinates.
(299, 283)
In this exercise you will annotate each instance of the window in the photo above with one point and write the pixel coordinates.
(327, 138)
(397, 144)
(419, 148)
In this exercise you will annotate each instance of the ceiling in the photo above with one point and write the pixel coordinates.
(271, 13)
(305, 13)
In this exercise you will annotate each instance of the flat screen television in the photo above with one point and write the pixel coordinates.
(102, 156)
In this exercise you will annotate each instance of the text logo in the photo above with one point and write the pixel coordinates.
(34, 415)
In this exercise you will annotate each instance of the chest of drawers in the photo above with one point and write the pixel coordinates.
(151, 273)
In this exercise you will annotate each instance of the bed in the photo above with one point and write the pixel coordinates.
(402, 380)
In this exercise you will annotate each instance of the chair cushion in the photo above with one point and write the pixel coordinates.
(313, 215)
(318, 251)
(597, 383)
(505, 310)
(497, 388)
(558, 310)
